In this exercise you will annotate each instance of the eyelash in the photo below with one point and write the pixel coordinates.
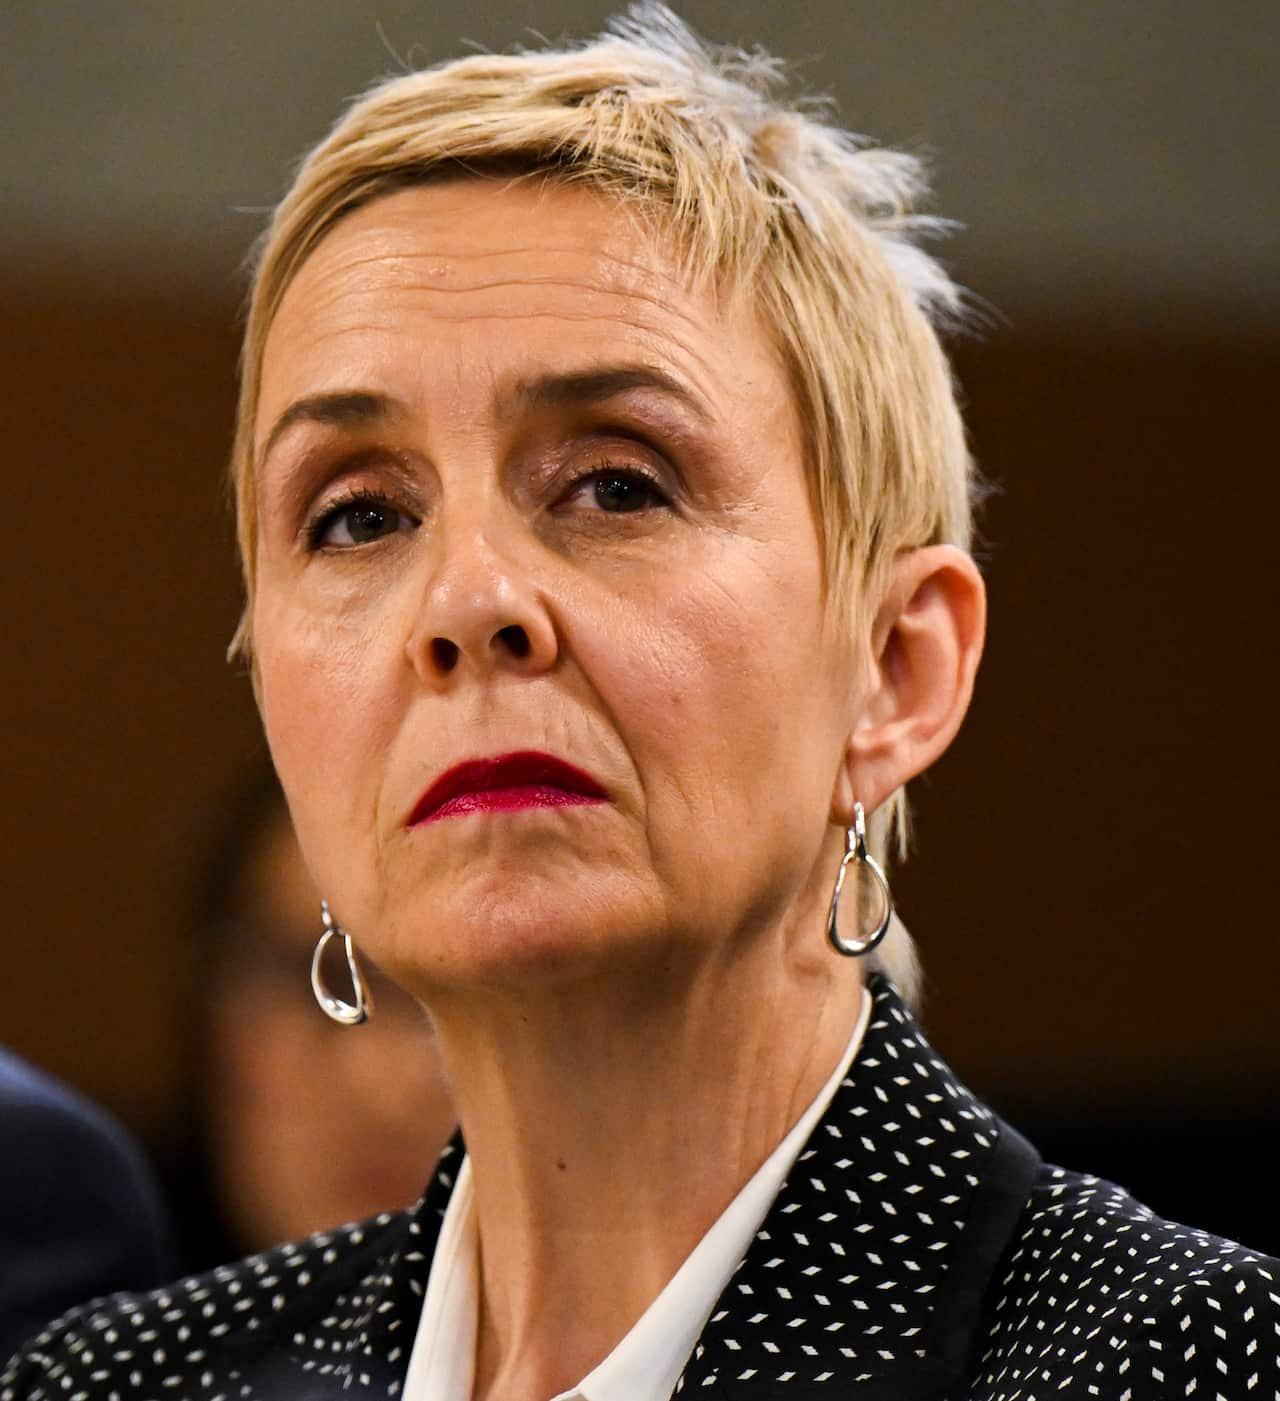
(316, 529)
(358, 496)
(628, 473)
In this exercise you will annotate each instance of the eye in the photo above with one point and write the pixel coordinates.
(619, 490)
(360, 519)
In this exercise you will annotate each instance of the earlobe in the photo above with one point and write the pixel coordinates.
(927, 638)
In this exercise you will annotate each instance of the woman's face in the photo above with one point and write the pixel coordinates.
(520, 489)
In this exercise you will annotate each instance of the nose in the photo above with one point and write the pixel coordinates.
(482, 613)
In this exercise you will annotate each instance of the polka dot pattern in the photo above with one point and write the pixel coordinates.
(904, 1257)
(1101, 1298)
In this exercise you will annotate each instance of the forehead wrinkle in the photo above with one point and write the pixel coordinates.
(391, 237)
(578, 315)
(499, 284)
(447, 263)
(464, 315)
(656, 329)
(332, 294)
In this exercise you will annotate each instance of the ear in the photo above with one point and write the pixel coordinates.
(926, 641)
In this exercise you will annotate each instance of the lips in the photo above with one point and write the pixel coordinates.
(509, 781)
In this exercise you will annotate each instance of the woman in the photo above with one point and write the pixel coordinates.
(604, 508)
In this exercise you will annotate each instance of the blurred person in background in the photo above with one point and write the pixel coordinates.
(297, 1128)
(605, 514)
(80, 1214)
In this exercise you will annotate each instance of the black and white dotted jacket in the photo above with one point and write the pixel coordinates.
(919, 1250)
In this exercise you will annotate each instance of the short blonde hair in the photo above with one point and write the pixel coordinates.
(759, 192)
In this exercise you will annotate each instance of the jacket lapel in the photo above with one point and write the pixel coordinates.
(378, 1300)
(870, 1269)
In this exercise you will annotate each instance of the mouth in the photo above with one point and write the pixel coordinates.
(509, 781)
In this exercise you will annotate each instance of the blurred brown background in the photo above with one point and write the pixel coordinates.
(1093, 877)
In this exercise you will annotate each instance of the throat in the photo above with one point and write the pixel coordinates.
(626, 1182)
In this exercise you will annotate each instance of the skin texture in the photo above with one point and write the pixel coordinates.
(633, 998)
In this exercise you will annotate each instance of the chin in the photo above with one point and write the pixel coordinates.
(519, 930)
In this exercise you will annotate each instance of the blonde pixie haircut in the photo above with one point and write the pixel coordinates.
(755, 191)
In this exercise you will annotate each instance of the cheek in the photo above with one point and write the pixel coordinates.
(327, 719)
(721, 697)
(714, 677)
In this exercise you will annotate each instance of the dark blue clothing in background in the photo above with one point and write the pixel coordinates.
(79, 1212)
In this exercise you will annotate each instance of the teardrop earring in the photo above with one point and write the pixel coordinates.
(347, 1013)
(856, 851)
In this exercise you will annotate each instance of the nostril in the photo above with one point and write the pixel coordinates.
(444, 653)
(516, 640)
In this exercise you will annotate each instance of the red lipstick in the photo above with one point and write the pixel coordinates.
(502, 784)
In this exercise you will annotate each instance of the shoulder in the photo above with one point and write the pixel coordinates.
(26, 1090)
(1100, 1294)
(47, 1121)
(79, 1210)
(222, 1331)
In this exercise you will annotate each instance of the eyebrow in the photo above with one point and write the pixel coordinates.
(362, 408)
(587, 387)
(357, 408)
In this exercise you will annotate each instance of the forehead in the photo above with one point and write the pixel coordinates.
(481, 279)
(484, 234)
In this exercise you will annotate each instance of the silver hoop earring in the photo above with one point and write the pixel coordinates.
(348, 1013)
(855, 849)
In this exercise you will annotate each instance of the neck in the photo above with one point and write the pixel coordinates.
(608, 1128)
